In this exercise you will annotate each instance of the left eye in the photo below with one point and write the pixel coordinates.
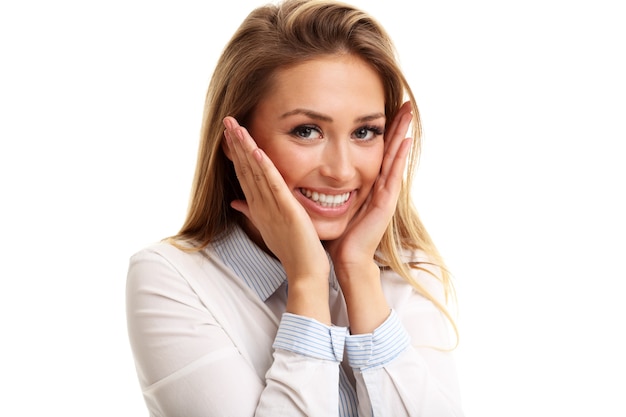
(367, 133)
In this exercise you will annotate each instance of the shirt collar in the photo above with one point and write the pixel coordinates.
(260, 271)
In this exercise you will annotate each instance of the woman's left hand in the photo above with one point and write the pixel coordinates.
(353, 252)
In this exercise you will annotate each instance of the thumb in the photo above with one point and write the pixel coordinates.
(242, 207)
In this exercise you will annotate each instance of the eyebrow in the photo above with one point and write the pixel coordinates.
(318, 116)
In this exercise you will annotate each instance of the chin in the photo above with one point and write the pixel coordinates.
(329, 231)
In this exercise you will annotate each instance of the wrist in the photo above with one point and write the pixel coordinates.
(357, 273)
(309, 297)
(365, 301)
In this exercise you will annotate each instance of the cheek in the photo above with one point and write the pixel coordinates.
(290, 163)
(284, 158)
(370, 161)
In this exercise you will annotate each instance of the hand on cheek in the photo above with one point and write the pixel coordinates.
(282, 222)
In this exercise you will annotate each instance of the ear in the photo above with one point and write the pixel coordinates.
(226, 148)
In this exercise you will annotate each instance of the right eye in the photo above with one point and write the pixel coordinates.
(307, 132)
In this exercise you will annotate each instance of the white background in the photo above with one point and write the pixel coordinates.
(521, 183)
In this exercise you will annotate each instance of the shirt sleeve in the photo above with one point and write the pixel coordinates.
(304, 377)
(187, 365)
(405, 367)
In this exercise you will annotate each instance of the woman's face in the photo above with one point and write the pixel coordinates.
(322, 125)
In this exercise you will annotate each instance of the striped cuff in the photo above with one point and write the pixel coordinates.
(310, 338)
(377, 349)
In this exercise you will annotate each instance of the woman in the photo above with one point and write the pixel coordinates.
(302, 282)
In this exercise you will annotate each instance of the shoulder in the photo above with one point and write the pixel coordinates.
(154, 264)
(162, 263)
(166, 254)
(162, 249)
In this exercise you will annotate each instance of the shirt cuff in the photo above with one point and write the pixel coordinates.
(309, 337)
(377, 349)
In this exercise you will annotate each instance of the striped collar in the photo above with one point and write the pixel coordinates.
(260, 271)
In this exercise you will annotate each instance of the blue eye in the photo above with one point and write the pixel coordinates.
(366, 133)
(307, 132)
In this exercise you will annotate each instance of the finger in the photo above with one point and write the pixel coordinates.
(274, 180)
(390, 180)
(241, 169)
(395, 142)
(394, 127)
(264, 176)
(242, 147)
(396, 172)
(242, 207)
(268, 184)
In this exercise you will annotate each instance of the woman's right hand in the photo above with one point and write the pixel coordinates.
(282, 222)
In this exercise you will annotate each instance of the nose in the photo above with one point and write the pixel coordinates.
(338, 161)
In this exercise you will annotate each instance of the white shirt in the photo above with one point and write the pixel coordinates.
(210, 337)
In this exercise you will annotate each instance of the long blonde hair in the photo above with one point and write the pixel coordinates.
(278, 36)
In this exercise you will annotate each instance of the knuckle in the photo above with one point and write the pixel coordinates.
(275, 187)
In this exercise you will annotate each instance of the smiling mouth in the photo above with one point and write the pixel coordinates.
(325, 200)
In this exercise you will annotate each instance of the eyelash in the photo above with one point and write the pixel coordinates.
(298, 130)
(377, 131)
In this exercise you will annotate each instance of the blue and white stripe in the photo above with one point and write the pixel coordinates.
(373, 350)
(261, 272)
(348, 406)
(310, 338)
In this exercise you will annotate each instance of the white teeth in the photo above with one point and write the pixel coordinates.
(325, 200)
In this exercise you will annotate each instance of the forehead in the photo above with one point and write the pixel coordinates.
(326, 81)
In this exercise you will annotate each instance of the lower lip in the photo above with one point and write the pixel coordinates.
(312, 207)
